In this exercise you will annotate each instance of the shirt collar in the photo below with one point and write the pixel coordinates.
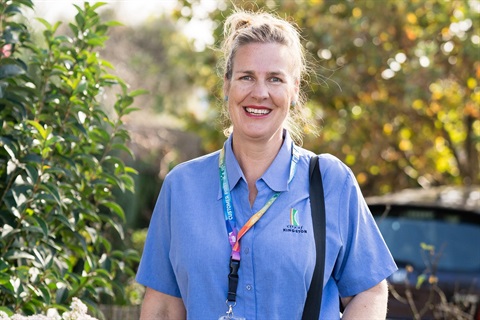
(276, 176)
(234, 171)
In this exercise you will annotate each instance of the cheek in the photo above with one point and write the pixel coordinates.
(238, 91)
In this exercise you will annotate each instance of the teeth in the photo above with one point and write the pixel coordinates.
(257, 111)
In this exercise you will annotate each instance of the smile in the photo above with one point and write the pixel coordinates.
(257, 111)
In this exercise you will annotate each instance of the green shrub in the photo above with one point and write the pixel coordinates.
(60, 165)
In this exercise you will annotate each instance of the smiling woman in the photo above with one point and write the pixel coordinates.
(232, 231)
(290, 71)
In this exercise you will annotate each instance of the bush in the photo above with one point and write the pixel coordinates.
(60, 165)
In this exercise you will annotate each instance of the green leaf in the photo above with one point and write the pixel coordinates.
(131, 170)
(117, 226)
(427, 247)
(116, 208)
(32, 172)
(129, 182)
(129, 110)
(40, 129)
(64, 221)
(42, 224)
(44, 22)
(96, 41)
(45, 294)
(100, 135)
(74, 29)
(12, 10)
(3, 267)
(52, 190)
(7, 311)
(63, 38)
(104, 273)
(113, 23)
(132, 254)
(420, 280)
(28, 3)
(80, 87)
(15, 254)
(97, 5)
(61, 294)
(79, 17)
(10, 70)
(138, 92)
(113, 180)
(123, 147)
(8, 230)
(108, 78)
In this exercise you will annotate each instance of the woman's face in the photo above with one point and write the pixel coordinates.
(260, 91)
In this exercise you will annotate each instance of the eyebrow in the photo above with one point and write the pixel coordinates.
(271, 73)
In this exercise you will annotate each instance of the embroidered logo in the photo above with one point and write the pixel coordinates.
(294, 225)
(293, 217)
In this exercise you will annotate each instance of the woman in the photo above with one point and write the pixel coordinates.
(194, 232)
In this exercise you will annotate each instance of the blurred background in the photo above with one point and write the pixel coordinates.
(394, 85)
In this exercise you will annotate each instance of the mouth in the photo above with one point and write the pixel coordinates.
(257, 111)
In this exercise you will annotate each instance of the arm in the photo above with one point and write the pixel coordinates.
(369, 304)
(161, 306)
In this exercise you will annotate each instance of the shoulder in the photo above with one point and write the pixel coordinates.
(329, 162)
(337, 177)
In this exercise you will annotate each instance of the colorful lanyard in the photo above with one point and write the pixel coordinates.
(234, 235)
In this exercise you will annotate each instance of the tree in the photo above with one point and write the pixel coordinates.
(395, 86)
(60, 165)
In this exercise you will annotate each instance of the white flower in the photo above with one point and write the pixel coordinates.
(34, 317)
(53, 314)
(79, 311)
(4, 316)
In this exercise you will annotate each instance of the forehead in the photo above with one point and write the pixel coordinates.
(263, 57)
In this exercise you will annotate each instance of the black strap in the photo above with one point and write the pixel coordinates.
(311, 310)
(233, 280)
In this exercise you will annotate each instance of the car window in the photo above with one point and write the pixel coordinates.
(454, 234)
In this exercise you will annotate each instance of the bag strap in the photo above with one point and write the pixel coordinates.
(311, 310)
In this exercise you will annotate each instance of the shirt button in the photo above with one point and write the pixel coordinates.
(246, 251)
(249, 287)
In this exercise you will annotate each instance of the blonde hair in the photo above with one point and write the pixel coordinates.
(242, 28)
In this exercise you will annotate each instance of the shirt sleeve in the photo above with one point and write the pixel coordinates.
(364, 259)
(155, 270)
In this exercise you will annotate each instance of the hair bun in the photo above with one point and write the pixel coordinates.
(242, 23)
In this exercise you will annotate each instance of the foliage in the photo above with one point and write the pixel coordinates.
(437, 303)
(395, 86)
(60, 165)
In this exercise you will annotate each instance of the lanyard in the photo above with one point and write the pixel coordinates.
(234, 235)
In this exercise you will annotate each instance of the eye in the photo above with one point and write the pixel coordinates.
(247, 78)
(276, 79)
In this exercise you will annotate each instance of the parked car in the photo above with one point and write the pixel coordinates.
(434, 236)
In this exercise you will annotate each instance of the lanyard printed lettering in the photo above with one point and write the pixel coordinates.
(234, 235)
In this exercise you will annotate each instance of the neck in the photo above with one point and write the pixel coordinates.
(254, 158)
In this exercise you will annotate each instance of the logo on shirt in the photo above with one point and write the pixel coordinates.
(294, 225)
(294, 217)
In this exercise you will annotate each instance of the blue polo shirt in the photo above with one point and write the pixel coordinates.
(187, 251)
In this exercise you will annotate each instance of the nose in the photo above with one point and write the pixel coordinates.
(260, 91)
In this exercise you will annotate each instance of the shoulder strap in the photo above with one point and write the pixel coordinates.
(311, 310)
